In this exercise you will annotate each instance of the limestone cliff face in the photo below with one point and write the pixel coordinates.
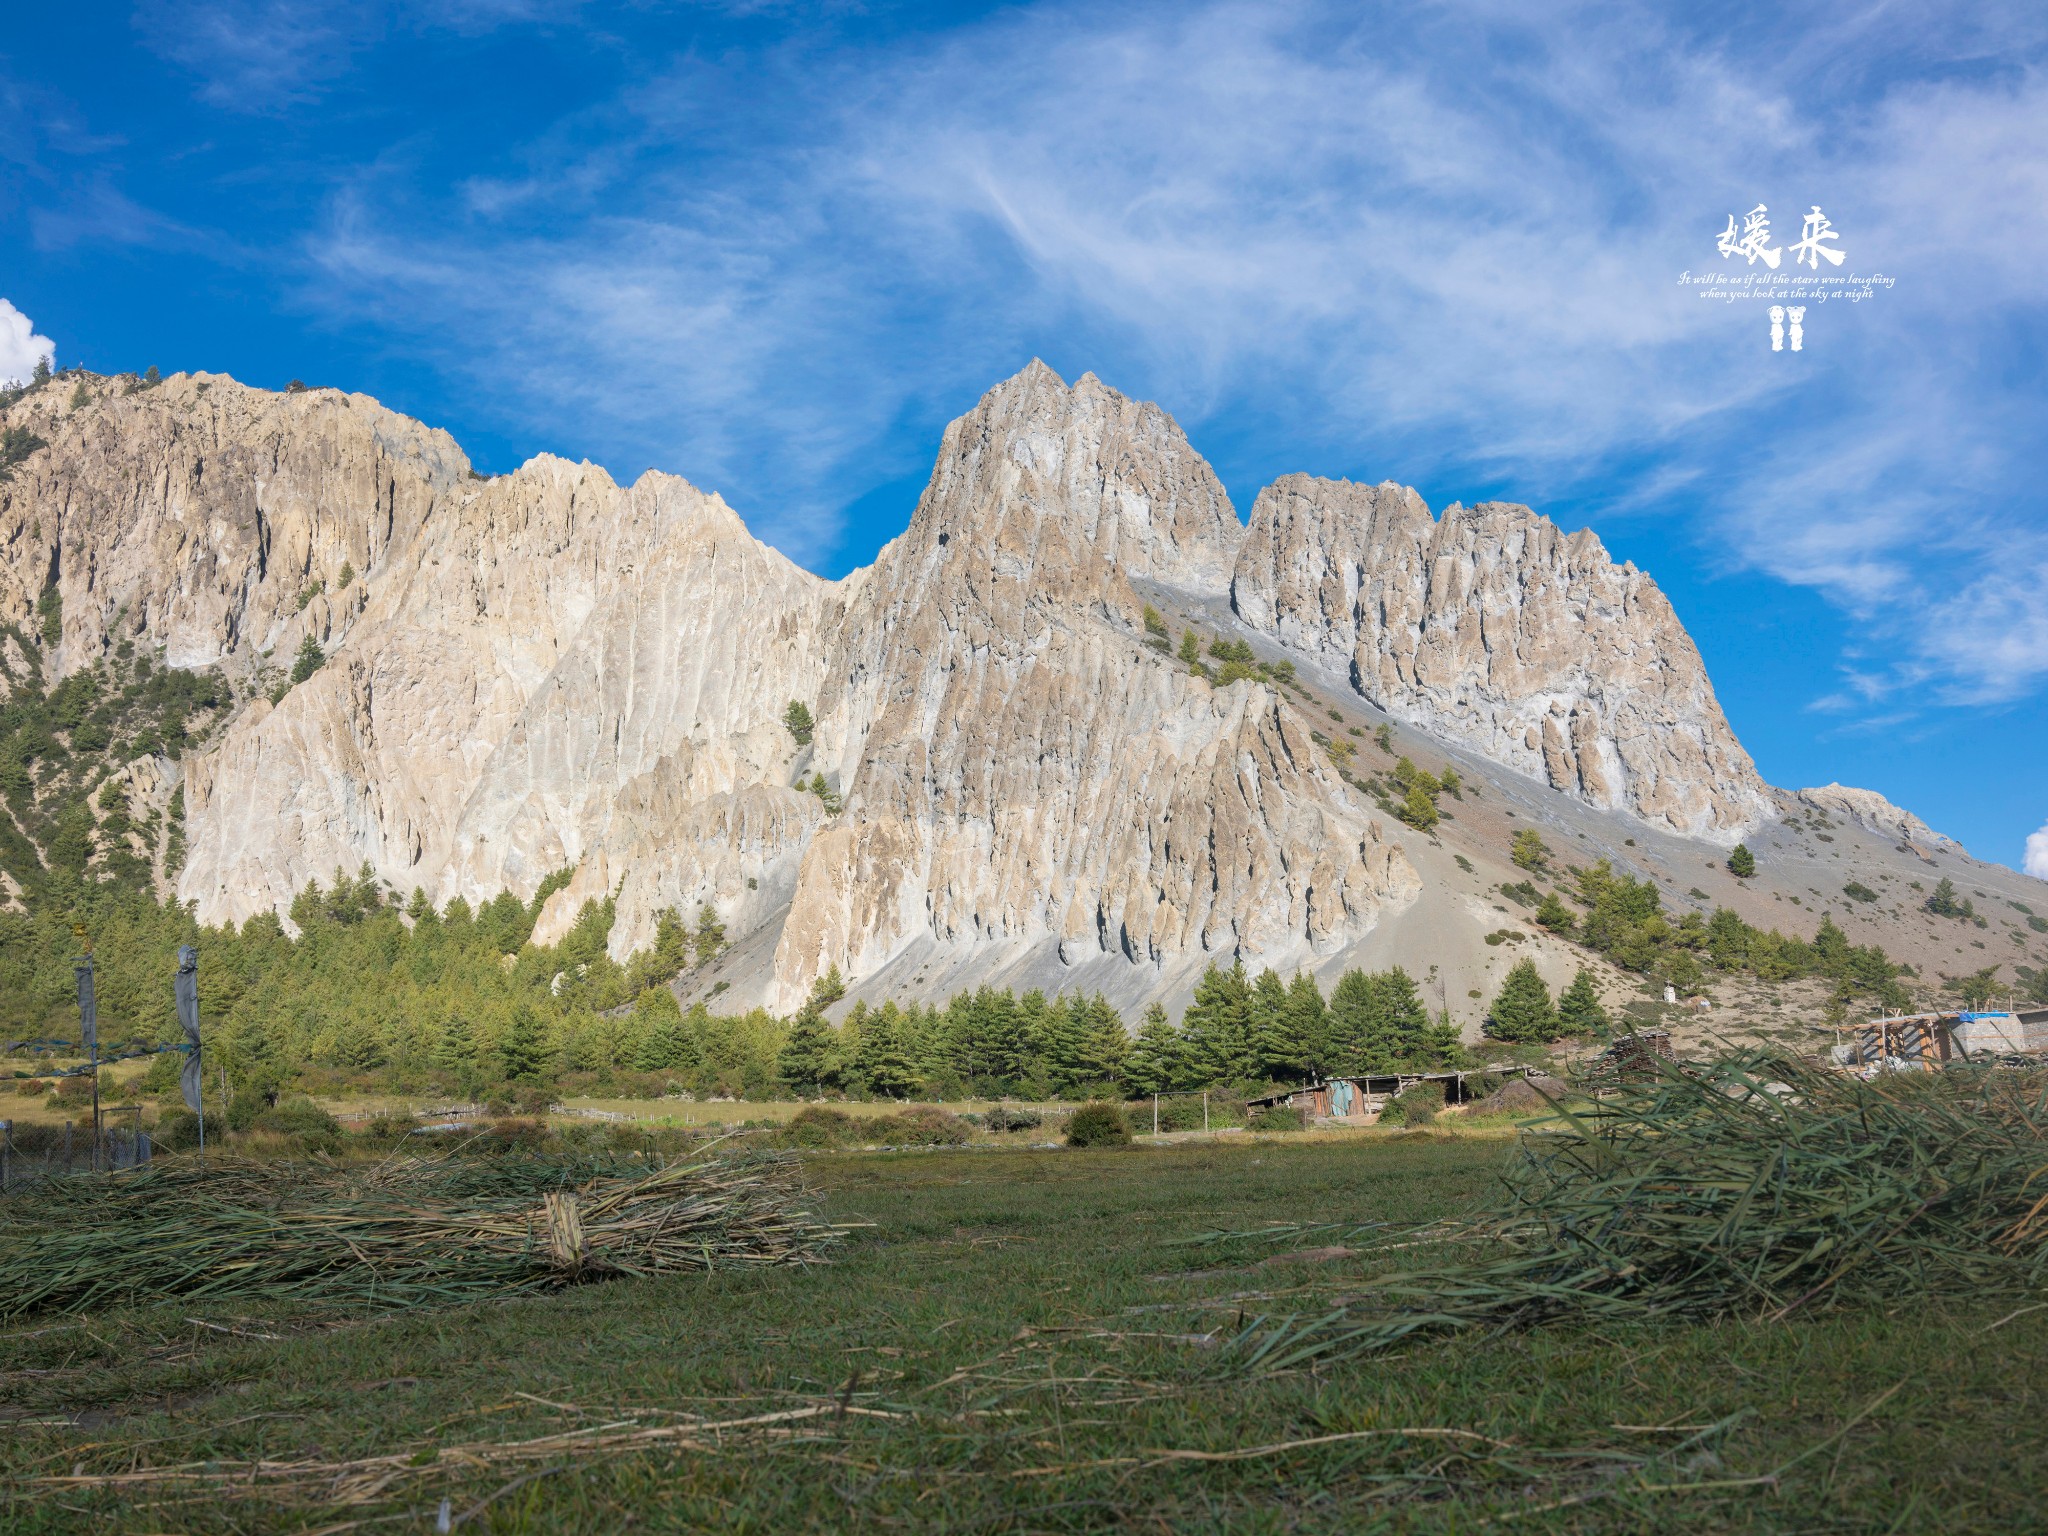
(548, 669)
(210, 519)
(548, 642)
(1020, 768)
(1493, 628)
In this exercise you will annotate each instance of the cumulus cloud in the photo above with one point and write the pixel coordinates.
(2037, 854)
(20, 346)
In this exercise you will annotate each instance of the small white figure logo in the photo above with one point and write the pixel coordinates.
(1777, 327)
(1796, 315)
(1812, 233)
(1754, 241)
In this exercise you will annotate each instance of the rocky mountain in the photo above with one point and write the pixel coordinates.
(1493, 628)
(469, 683)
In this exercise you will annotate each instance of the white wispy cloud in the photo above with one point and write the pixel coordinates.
(1455, 235)
(265, 56)
(20, 347)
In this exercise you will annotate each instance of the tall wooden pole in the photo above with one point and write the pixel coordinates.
(88, 1025)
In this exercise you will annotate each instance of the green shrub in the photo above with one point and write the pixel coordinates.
(511, 1135)
(918, 1128)
(177, 1130)
(1098, 1123)
(1279, 1117)
(1182, 1113)
(300, 1118)
(1008, 1117)
(250, 1100)
(1418, 1106)
(818, 1126)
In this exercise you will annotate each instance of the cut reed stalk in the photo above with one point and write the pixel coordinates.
(1756, 1186)
(399, 1233)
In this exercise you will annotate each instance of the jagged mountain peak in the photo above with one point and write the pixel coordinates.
(1492, 627)
(1038, 460)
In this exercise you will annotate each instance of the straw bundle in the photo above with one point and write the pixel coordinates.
(1754, 1186)
(420, 1231)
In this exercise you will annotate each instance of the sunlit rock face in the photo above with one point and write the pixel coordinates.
(547, 669)
(1493, 628)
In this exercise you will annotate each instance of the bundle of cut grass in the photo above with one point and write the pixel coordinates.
(395, 1233)
(1755, 1186)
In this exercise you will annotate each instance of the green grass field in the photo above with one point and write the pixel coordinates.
(1020, 1342)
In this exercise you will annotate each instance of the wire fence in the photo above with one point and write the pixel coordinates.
(31, 1153)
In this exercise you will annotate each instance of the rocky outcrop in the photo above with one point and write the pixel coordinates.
(1867, 808)
(548, 642)
(1493, 628)
(207, 518)
(1020, 769)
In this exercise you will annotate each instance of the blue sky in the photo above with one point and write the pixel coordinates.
(775, 247)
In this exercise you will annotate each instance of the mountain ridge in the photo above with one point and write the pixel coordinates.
(1008, 770)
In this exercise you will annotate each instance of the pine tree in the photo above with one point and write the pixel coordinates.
(668, 957)
(1190, 647)
(80, 397)
(1943, 902)
(41, 375)
(1741, 862)
(1522, 1014)
(827, 989)
(1400, 1023)
(1529, 851)
(1979, 988)
(1418, 808)
(1279, 1050)
(669, 1043)
(1351, 1021)
(522, 1048)
(1443, 1045)
(984, 1039)
(1578, 1010)
(710, 935)
(1154, 1062)
(1107, 1045)
(1052, 1039)
(882, 1059)
(1310, 1022)
(798, 722)
(455, 1051)
(805, 1062)
(1217, 1028)
(1553, 914)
